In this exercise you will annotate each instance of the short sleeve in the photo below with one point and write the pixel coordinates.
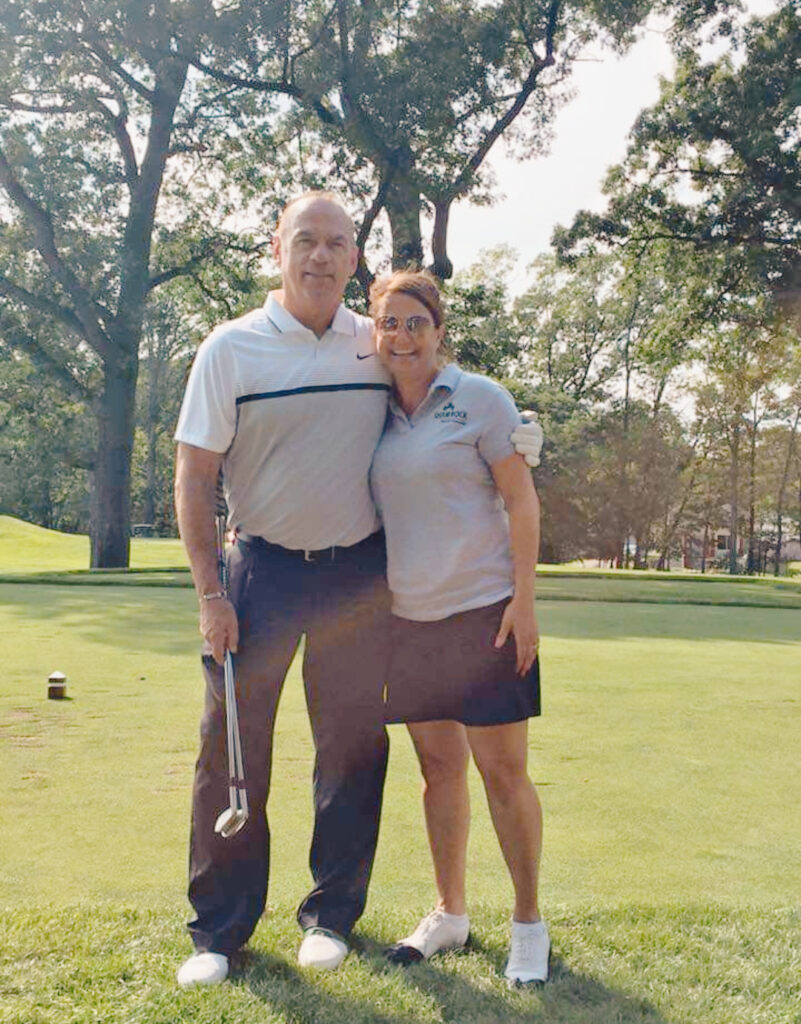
(208, 412)
(499, 419)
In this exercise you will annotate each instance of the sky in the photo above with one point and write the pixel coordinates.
(590, 136)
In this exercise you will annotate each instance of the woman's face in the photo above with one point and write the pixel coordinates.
(406, 338)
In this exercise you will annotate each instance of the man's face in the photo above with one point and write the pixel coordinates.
(317, 255)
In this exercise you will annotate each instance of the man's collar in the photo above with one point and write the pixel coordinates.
(343, 322)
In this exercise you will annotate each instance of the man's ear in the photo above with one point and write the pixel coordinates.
(354, 260)
(275, 242)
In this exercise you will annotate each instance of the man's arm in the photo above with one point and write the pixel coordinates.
(196, 473)
(527, 438)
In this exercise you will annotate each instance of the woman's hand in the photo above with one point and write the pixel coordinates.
(520, 619)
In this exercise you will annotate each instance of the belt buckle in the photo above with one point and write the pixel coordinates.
(314, 557)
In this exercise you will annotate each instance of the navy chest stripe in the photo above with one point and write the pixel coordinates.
(311, 390)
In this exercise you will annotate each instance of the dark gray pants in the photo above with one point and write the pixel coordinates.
(342, 607)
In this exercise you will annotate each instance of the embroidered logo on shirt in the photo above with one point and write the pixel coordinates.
(359, 356)
(450, 412)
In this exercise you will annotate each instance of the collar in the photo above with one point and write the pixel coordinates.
(445, 382)
(343, 323)
(448, 378)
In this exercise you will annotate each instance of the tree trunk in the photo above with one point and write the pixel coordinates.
(110, 512)
(441, 266)
(780, 497)
(752, 564)
(734, 497)
(151, 465)
(403, 210)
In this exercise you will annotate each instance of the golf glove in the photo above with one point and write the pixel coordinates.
(527, 438)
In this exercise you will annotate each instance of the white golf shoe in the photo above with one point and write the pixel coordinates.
(203, 969)
(437, 931)
(530, 954)
(322, 948)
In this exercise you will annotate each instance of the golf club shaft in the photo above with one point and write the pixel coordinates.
(236, 768)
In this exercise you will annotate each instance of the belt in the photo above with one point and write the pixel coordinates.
(332, 554)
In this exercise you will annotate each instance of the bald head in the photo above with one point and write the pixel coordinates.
(315, 249)
(313, 198)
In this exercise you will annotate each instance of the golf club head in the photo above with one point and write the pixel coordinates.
(230, 821)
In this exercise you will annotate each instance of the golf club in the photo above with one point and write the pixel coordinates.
(233, 818)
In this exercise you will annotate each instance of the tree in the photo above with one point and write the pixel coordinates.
(45, 443)
(727, 130)
(481, 329)
(97, 122)
(404, 100)
(568, 323)
(118, 166)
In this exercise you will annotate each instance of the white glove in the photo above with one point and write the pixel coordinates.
(527, 438)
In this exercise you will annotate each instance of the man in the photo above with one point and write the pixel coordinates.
(289, 400)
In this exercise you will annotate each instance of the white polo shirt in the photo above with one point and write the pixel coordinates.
(447, 530)
(297, 417)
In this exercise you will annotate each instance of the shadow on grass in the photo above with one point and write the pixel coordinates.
(131, 618)
(457, 987)
(165, 620)
(618, 621)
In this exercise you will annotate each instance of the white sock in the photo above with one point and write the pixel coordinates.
(455, 919)
(535, 927)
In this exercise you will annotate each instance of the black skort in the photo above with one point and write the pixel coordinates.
(450, 669)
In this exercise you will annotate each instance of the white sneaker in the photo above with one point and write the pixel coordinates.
(435, 932)
(203, 969)
(530, 953)
(322, 948)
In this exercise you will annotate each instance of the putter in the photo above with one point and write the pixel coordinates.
(233, 818)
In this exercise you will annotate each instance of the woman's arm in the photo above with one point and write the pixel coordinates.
(513, 480)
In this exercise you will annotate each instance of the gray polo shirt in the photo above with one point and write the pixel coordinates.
(297, 417)
(447, 529)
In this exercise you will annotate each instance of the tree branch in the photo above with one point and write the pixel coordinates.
(376, 207)
(312, 43)
(204, 288)
(194, 262)
(462, 183)
(40, 357)
(280, 87)
(88, 312)
(41, 305)
(113, 65)
(118, 124)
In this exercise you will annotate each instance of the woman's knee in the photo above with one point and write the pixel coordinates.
(443, 754)
(443, 771)
(504, 777)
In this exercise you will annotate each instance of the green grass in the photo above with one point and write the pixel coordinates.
(631, 966)
(26, 548)
(666, 761)
(35, 555)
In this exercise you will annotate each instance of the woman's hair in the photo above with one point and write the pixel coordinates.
(418, 284)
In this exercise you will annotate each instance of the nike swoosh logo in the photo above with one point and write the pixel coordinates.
(365, 357)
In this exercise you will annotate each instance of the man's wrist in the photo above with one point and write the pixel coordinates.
(214, 595)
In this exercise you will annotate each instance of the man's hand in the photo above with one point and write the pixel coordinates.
(219, 627)
(527, 438)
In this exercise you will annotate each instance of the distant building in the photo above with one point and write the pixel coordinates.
(709, 548)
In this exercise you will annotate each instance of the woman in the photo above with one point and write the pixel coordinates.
(464, 674)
